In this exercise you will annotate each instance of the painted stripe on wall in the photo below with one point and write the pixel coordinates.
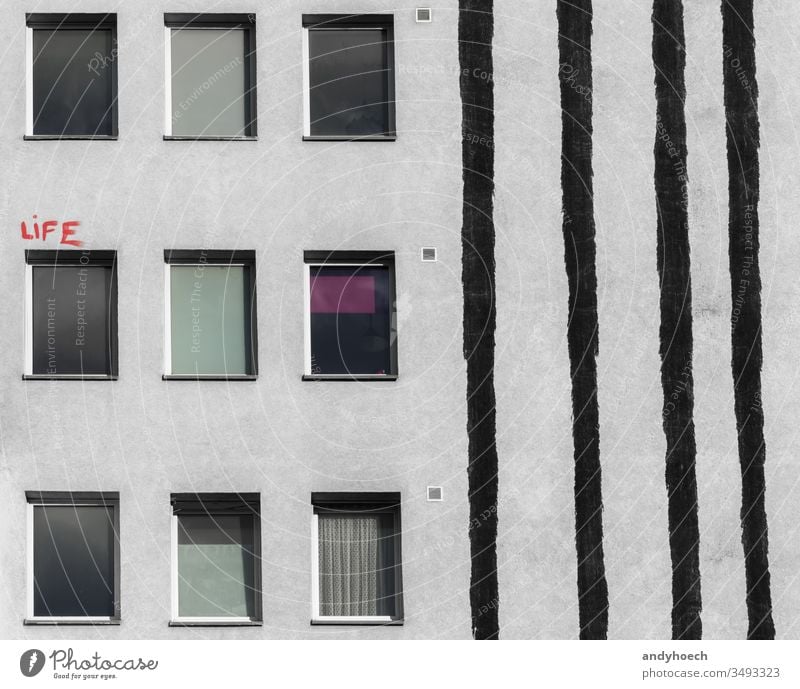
(575, 57)
(674, 270)
(741, 112)
(475, 30)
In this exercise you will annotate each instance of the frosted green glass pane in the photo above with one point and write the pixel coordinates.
(210, 319)
(208, 82)
(215, 566)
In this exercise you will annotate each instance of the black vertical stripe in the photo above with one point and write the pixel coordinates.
(741, 112)
(575, 76)
(475, 29)
(677, 380)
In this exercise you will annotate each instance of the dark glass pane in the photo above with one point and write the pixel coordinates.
(348, 79)
(72, 81)
(70, 320)
(73, 561)
(216, 566)
(350, 320)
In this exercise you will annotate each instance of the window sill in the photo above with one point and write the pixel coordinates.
(60, 621)
(209, 138)
(67, 376)
(357, 621)
(353, 378)
(216, 623)
(387, 137)
(179, 376)
(70, 137)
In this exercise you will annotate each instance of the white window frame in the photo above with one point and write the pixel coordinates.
(168, 319)
(29, 589)
(307, 72)
(175, 618)
(28, 81)
(168, 81)
(307, 315)
(316, 617)
(306, 86)
(28, 363)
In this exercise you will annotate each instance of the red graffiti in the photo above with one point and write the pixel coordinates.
(49, 227)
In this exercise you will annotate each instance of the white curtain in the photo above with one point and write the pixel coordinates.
(348, 565)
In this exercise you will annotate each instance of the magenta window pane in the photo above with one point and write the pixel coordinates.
(351, 316)
(343, 294)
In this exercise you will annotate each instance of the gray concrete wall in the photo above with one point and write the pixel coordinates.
(285, 438)
(537, 579)
(536, 545)
(279, 436)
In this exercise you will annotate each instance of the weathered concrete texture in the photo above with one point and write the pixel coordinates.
(631, 439)
(536, 544)
(632, 445)
(718, 476)
(777, 24)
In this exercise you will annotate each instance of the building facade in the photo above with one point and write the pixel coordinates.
(249, 420)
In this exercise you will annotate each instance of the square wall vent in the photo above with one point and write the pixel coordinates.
(435, 494)
(429, 254)
(424, 15)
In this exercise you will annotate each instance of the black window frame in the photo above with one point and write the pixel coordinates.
(72, 257)
(362, 258)
(108, 499)
(221, 20)
(77, 20)
(192, 257)
(211, 504)
(382, 21)
(376, 503)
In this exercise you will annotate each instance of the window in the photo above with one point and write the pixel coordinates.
(349, 76)
(350, 328)
(72, 76)
(211, 315)
(216, 559)
(211, 76)
(356, 558)
(71, 315)
(73, 558)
